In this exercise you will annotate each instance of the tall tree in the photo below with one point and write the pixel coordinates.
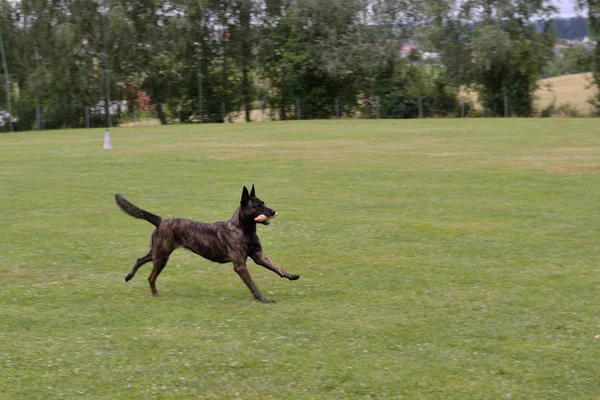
(315, 54)
(7, 118)
(280, 49)
(593, 9)
(378, 33)
(243, 41)
(493, 46)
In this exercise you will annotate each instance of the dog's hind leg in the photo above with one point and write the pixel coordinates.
(160, 260)
(140, 261)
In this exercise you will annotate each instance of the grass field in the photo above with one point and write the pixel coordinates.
(439, 259)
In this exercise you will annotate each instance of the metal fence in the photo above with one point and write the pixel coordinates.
(123, 114)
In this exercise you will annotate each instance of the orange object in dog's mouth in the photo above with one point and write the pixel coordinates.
(263, 219)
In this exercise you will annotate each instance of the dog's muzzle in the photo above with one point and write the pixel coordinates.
(263, 219)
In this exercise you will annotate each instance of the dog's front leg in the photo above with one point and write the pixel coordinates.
(242, 271)
(261, 259)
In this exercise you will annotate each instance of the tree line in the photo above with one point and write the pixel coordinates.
(571, 28)
(200, 59)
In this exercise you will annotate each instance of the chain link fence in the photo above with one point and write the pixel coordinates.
(126, 114)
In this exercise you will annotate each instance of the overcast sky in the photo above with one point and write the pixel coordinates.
(566, 8)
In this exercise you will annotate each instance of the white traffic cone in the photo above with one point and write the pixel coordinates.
(107, 143)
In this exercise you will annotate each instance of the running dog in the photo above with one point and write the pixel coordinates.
(232, 241)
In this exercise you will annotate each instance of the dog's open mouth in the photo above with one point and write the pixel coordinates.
(263, 219)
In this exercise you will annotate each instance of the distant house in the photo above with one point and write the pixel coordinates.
(427, 57)
(406, 50)
(588, 42)
(559, 47)
(567, 44)
(431, 56)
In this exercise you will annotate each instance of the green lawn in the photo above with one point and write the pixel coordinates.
(439, 259)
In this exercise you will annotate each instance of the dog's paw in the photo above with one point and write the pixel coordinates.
(293, 277)
(128, 277)
(266, 301)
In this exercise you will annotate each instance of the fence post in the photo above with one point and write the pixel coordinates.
(298, 111)
(134, 113)
(505, 106)
(420, 107)
(337, 108)
(223, 112)
(87, 117)
(262, 110)
(553, 105)
(179, 113)
(200, 98)
(38, 117)
(462, 107)
(7, 88)
(377, 107)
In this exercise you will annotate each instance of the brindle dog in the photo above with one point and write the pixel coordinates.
(225, 241)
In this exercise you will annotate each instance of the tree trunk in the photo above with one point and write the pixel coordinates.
(282, 113)
(161, 114)
(368, 109)
(596, 74)
(106, 111)
(224, 97)
(246, 89)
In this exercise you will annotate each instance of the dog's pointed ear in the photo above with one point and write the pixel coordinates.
(245, 196)
(252, 192)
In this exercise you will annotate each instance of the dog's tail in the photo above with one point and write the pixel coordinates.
(136, 212)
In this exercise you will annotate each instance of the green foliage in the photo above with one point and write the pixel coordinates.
(567, 110)
(203, 57)
(493, 47)
(593, 9)
(548, 111)
(562, 110)
(206, 57)
(400, 85)
(570, 60)
(509, 62)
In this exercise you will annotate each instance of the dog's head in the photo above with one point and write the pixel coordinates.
(255, 208)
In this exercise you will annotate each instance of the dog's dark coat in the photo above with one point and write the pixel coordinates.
(232, 241)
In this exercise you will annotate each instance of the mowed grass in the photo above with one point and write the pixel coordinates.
(439, 259)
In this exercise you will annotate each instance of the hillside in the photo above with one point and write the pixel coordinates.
(568, 89)
(572, 89)
(570, 28)
(567, 28)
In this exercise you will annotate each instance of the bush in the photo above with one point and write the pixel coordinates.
(547, 112)
(567, 110)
